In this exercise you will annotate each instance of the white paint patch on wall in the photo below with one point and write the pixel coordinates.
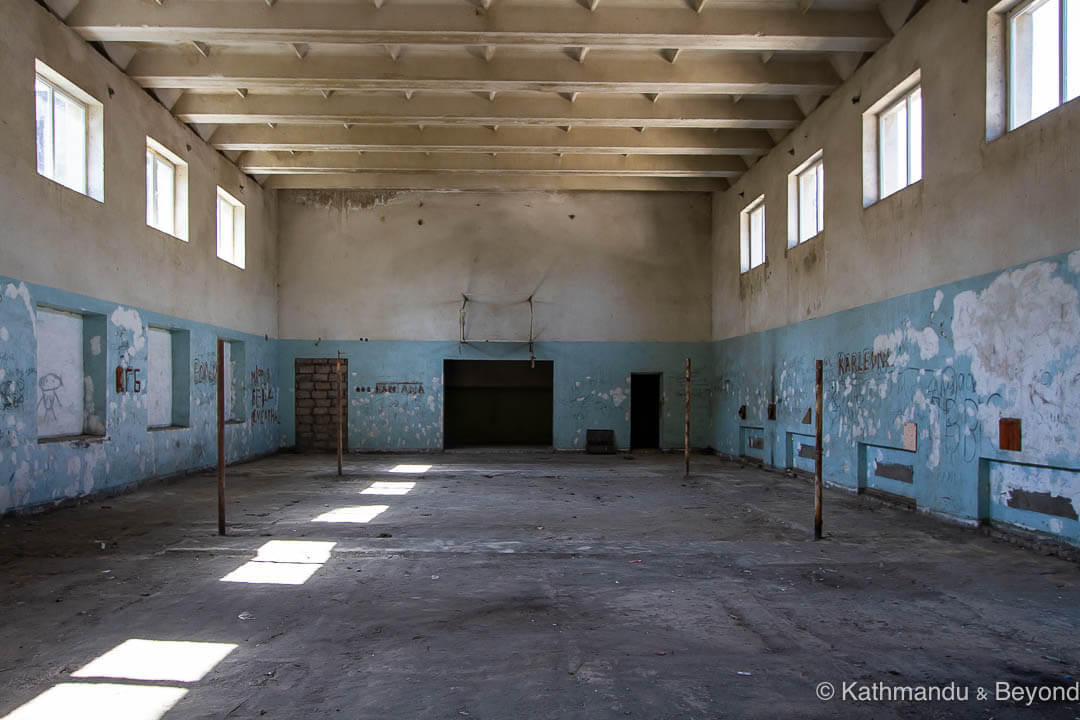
(939, 296)
(59, 374)
(129, 319)
(159, 373)
(13, 292)
(1020, 333)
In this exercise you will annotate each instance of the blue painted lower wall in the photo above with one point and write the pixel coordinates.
(35, 473)
(946, 365)
(592, 388)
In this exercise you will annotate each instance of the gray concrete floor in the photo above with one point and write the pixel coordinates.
(527, 586)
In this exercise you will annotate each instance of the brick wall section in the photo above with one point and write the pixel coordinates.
(316, 404)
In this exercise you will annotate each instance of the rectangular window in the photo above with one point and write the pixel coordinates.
(230, 229)
(892, 141)
(900, 143)
(752, 232)
(806, 200)
(68, 129)
(1044, 57)
(166, 190)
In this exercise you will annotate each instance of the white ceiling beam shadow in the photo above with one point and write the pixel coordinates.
(606, 110)
(658, 141)
(714, 28)
(643, 73)
(275, 163)
(491, 183)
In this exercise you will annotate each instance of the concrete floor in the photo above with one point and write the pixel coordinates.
(519, 586)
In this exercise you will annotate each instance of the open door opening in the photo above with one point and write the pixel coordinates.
(645, 410)
(498, 403)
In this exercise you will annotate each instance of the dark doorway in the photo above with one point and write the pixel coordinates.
(645, 410)
(316, 404)
(498, 402)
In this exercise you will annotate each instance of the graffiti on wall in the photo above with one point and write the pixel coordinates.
(405, 388)
(127, 380)
(204, 371)
(864, 361)
(50, 385)
(263, 397)
(12, 383)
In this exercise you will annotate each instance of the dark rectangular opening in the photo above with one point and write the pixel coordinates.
(498, 403)
(645, 410)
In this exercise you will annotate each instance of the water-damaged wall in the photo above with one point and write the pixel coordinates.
(919, 386)
(117, 447)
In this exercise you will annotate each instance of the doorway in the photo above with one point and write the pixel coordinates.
(498, 402)
(316, 404)
(644, 411)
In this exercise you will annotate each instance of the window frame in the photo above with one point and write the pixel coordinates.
(905, 100)
(179, 209)
(871, 151)
(1010, 16)
(816, 161)
(92, 137)
(237, 236)
(746, 235)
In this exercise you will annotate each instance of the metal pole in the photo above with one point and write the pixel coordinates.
(221, 436)
(819, 390)
(339, 433)
(686, 425)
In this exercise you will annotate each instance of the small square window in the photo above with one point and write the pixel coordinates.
(752, 234)
(806, 200)
(68, 129)
(1044, 57)
(892, 141)
(166, 190)
(230, 229)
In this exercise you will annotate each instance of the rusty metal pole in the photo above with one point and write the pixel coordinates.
(819, 391)
(339, 437)
(221, 436)
(686, 425)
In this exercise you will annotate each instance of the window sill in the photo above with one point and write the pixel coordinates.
(815, 240)
(159, 428)
(166, 233)
(78, 439)
(235, 421)
(897, 193)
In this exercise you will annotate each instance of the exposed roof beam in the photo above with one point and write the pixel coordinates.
(272, 163)
(659, 141)
(491, 182)
(643, 73)
(466, 109)
(715, 28)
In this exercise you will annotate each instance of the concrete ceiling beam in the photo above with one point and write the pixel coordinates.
(493, 182)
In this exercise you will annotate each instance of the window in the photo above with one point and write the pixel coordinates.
(167, 382)
(166, 190)
(230, 229)
(752, 232)
(69, 142)
(1044, 57)
(70, 374)
(806, 200)
(892, 141)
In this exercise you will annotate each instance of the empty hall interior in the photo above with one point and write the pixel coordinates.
(595, 297)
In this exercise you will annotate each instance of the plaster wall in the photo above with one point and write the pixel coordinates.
(605, 266)
(938, 311)
(59, 238)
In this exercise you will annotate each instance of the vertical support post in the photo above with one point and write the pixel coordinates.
(686, 425)
(819, 392)
(221, 436)
(339, 430)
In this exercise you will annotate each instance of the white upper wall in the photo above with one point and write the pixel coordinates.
(54, 236)
(612, 266)
(980, 207)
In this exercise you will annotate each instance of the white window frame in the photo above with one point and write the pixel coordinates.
(93, 185)
(178, 210)
(814, 163)
(746, 234)
(236, 250)
(872, 156)
(1063, 59)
